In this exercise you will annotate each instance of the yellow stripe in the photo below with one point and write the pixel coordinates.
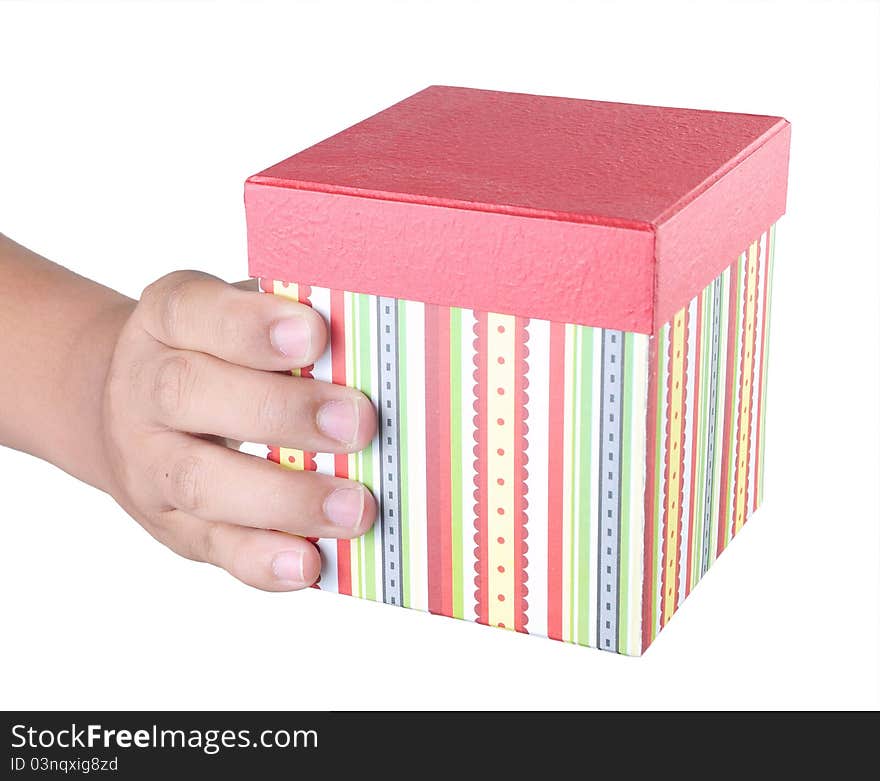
(288, 290)
(500, 441)
(673, 490)
(745, 407)
(290, 458)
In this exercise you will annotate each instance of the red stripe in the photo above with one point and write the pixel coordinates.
(337, 358)
(481, 492)
(437, 446)
(664, 519)
(697, 372)
(741, 358)
(728, 410)
(554, 478)
(759, 376)
(520, 461)
(650, 489)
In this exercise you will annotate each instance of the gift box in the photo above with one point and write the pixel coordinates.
(560, 310)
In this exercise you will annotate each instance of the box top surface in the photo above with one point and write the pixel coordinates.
(579, 160)
(577, 211)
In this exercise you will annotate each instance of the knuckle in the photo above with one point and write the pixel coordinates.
(166, 300)
(189, 483)
(172, 384)
(129, 380)
(273, 412)
(210, 547)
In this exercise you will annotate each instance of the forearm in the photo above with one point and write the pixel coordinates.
(58, 331)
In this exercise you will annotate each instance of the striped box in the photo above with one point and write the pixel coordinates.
(568, 477)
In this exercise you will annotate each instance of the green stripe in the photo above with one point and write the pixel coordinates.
(702, 423)
(720, 388)
(584, 519)
(625, 469)
(403, 461)
(456, 459)
(366, 353)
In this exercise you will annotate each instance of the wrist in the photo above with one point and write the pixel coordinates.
(82, 448)
(101, 338)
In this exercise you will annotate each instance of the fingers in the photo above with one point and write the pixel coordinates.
(217, 484)
(190, 391)
(195, 311)
(267, 560)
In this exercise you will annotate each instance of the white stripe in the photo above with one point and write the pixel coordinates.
(568, 458)
(416, 452)
(468, 467)
(329, 564)
(756, 368)
(595, 484)
(637, 448)
(537, 439)
(689, 448)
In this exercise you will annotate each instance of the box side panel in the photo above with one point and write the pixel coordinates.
(508, 465)
(695, 243)
(707, 401)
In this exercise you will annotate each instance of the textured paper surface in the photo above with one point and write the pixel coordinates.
(517, 460)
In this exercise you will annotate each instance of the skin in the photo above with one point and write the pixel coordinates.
(148, 401)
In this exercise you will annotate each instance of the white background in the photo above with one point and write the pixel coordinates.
(126, 132)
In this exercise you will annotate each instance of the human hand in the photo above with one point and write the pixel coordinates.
(195, 369)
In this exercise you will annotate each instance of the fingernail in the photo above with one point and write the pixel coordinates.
(345, 507)
(339, 420)
(292, 337)
(288, 566)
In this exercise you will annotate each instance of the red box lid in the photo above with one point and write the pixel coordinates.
(606, 214)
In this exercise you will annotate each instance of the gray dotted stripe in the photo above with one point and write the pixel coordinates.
(610, 431)
(713, 403)
(389, 517)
